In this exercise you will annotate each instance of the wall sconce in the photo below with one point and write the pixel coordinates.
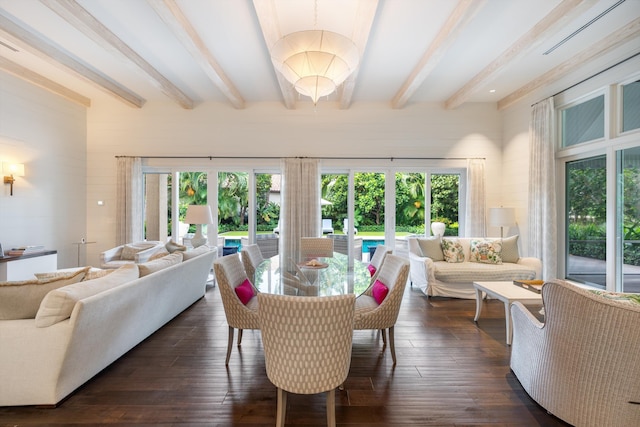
(12, 170)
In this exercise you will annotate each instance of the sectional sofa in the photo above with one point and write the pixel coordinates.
(81, 328)
(448, 267)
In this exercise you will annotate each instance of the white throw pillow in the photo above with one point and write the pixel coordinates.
(195, 252)
(20, 300)
(431, 248)
(59, 303)
(160, 263)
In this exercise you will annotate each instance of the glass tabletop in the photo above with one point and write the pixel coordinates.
(327, 276)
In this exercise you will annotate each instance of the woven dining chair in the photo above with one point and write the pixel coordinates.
(378, 258)
(307, 345)
(251, 258)
(370, 314)
(315, 247)
(230, 274)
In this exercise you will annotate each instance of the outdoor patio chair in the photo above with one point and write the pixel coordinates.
(327, 226)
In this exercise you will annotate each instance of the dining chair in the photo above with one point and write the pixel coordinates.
(251, 258)
(315, 247)
(378, 258)
(307, 345)
(230, 275)
(377, 308)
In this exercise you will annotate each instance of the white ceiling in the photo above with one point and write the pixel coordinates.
(413, 51)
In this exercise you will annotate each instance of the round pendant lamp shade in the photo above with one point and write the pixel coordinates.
(315, 62)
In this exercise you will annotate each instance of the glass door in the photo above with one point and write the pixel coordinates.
(628, 221)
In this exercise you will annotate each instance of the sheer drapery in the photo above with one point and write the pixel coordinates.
(300, 209)
(128, 200)
(542, 188)
(475, 206)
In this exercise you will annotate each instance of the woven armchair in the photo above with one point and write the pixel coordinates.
(583, 363)
(307, 345)
(378, 257)
(393, 272)
(315, 247)
(229, 274)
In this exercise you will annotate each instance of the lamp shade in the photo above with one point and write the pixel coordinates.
(15, 169)
(502, 217)
(315, 62)
(199, 214)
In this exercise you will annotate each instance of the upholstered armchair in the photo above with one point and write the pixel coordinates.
(251, 258)
(130, 253)
(377, 308)
(307, 345)
(230, 274)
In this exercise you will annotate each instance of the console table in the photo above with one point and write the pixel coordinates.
(24, 266)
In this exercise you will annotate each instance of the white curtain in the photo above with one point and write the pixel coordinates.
(542, 188)
(300, 208)
(128, 200)
(475, 205)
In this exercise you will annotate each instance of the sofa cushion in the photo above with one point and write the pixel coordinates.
(159, 254)
(58, 304)
(510, 249)
(172, 247)
(195, 252)
(618, 296)
(160, 263)
(130, 250)
(485, 250)
(452, 250)
(21, 299)
(431, 247)
(468, 272)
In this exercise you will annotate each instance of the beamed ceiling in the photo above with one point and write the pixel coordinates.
(412, 51)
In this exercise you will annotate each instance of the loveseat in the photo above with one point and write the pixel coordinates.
(583, 363)
(470, 259)
(81, 328)
(131, 253)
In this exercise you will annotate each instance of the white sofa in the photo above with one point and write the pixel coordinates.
(455, 279)
(583, 363)
(42, 365)
(130, 253)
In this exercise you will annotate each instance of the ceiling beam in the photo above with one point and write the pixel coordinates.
(624, 35)
(266, 12)
(464, 11)
(43, 82)
(27, 40)
(364, 21)
(86, 23)
(174, 18)
(554, 20)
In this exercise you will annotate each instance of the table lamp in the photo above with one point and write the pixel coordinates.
(198, 215)
(502, 217)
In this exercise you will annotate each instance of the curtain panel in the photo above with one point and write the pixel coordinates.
(300, 209)
(475, 215)
(542, 188)
(129, 193)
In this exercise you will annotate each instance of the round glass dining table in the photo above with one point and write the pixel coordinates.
(319, 277)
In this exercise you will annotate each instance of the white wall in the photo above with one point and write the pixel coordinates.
(269, 129)
(48, 135)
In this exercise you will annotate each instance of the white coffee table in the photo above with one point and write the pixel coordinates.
(506, 292)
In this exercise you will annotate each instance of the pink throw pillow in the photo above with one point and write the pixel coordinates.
(245, 291)
(379, 291)
(372, 269)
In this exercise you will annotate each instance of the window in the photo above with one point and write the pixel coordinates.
(583, 122)
(445, 201)
(628, 220)
(631, 106)
(586, 211)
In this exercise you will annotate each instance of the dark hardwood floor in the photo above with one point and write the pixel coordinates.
(450, 371)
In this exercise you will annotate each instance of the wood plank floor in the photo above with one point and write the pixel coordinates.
(450, 371)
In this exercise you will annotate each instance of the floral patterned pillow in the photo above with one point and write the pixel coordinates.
(619, 296)
(452, 250)
(485, 251)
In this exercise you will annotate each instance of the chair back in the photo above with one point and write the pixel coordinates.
(378, 257)
(251, 258)
(315, 247)
(229, 274)
(393, 272)
(307, 340)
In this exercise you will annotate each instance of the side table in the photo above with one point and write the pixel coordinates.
(79, 244)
